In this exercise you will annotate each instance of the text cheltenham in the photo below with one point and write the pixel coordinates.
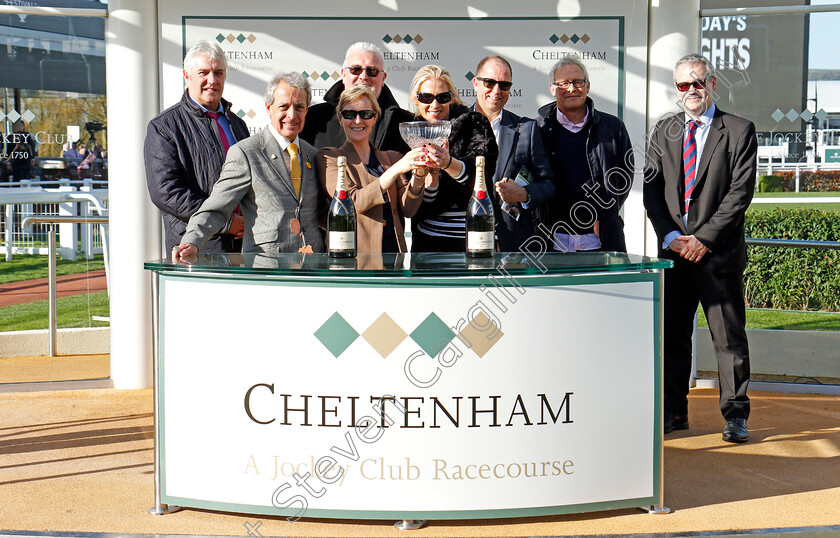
(416, 411)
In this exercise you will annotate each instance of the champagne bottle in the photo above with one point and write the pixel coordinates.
(480, 219)
(341, 220)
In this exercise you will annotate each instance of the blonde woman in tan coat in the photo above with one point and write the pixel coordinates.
(385, 186)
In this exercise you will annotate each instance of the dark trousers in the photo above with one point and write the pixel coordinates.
(722, 297)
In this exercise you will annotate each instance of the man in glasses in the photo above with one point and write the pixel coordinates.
(186, 146)
(699, 181)
(363, 65)
(522, 156)
(592, 160)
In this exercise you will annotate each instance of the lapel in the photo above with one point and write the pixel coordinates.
(675, 162)
(715, 135)
(273, 155)
(507, 135)
(307, 167)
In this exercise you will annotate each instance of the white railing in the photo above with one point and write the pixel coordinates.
(27, 198)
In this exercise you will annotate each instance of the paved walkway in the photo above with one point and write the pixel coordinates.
(27, 291)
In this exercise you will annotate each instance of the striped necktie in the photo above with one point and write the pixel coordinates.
(689, 163)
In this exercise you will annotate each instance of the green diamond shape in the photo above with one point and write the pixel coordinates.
(241, 113)
(432, 335)
(574, 38)
(554, 39)
(304, 74)
(241, 38)
(387, 38)
(469, 75)
(407, 38)
(325, 75)
(220, 38)
(336, 334)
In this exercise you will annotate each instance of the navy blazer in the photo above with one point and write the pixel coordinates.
(520, 144)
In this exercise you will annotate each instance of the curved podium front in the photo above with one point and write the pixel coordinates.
(425, 386)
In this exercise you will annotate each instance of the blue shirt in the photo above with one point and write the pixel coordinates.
(221, 119)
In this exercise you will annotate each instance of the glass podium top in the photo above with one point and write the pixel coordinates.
(430, 264)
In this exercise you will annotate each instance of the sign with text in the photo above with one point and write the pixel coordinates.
(426, 399)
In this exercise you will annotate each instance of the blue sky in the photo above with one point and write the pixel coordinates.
(822, 49)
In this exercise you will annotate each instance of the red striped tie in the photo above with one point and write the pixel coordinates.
(689, 163)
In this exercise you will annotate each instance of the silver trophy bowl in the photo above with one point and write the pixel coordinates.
(417, 133)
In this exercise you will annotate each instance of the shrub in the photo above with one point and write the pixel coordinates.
(793, 278)
(770, 183)
(819, 181)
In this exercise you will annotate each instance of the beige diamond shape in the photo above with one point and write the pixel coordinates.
(314, 75)
(484, 337)
(251, 114)
(418, 38)
(585, 38)
(398, 38)
(384, 335)
(564, 38)
(251, 38)
(335, 75)
(230, 38)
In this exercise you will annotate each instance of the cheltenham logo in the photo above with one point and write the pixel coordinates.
(324, 75)
(230, 38)
(13, 116)
(792, 115)
(565, 39)
(406, 38)
(250, 113)
(432, 335)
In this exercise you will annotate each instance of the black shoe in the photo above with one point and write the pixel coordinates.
(735, 431)
(675, 422)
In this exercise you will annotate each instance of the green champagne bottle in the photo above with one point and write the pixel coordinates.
(480, 218)
(341, 220)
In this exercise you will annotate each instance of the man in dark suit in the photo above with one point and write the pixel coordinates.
(271, 177)
(363, 65)
(520, 147)
(699, 181)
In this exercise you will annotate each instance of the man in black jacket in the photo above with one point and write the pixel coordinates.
(365, 65)
(186, 146)
(592, 160)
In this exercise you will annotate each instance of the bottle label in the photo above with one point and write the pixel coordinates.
(342, 240)
(480, 241)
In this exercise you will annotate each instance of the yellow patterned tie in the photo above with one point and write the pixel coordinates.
(294, 161)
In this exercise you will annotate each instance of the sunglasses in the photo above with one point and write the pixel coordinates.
(351, 114)
(564, 84)
(428, 98)
(356, 70)
(504, 85)
(685, 86)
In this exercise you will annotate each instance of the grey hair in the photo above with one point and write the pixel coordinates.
(295, 80)
(365, 46)
(563, 62)
(693, 59)
(205, 49)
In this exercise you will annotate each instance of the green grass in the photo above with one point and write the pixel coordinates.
(790, 320)
(74, 311)
(30, 266)
(769, 207)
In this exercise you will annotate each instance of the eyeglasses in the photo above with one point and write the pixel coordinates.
(428, 98)
(504, 85)
(356, 70)
(685, 86)
(564, 84)
(351, 114)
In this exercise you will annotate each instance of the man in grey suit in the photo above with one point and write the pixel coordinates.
(699, 182)
(520, 147)
(271, 177)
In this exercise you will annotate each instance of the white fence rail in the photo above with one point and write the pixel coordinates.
(71, 198)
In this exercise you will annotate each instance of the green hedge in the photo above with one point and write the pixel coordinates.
(772, 183)
(793, 278)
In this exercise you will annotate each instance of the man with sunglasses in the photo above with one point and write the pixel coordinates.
(364, 65)
(699, 182)
(520, 150)
(592, 160)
